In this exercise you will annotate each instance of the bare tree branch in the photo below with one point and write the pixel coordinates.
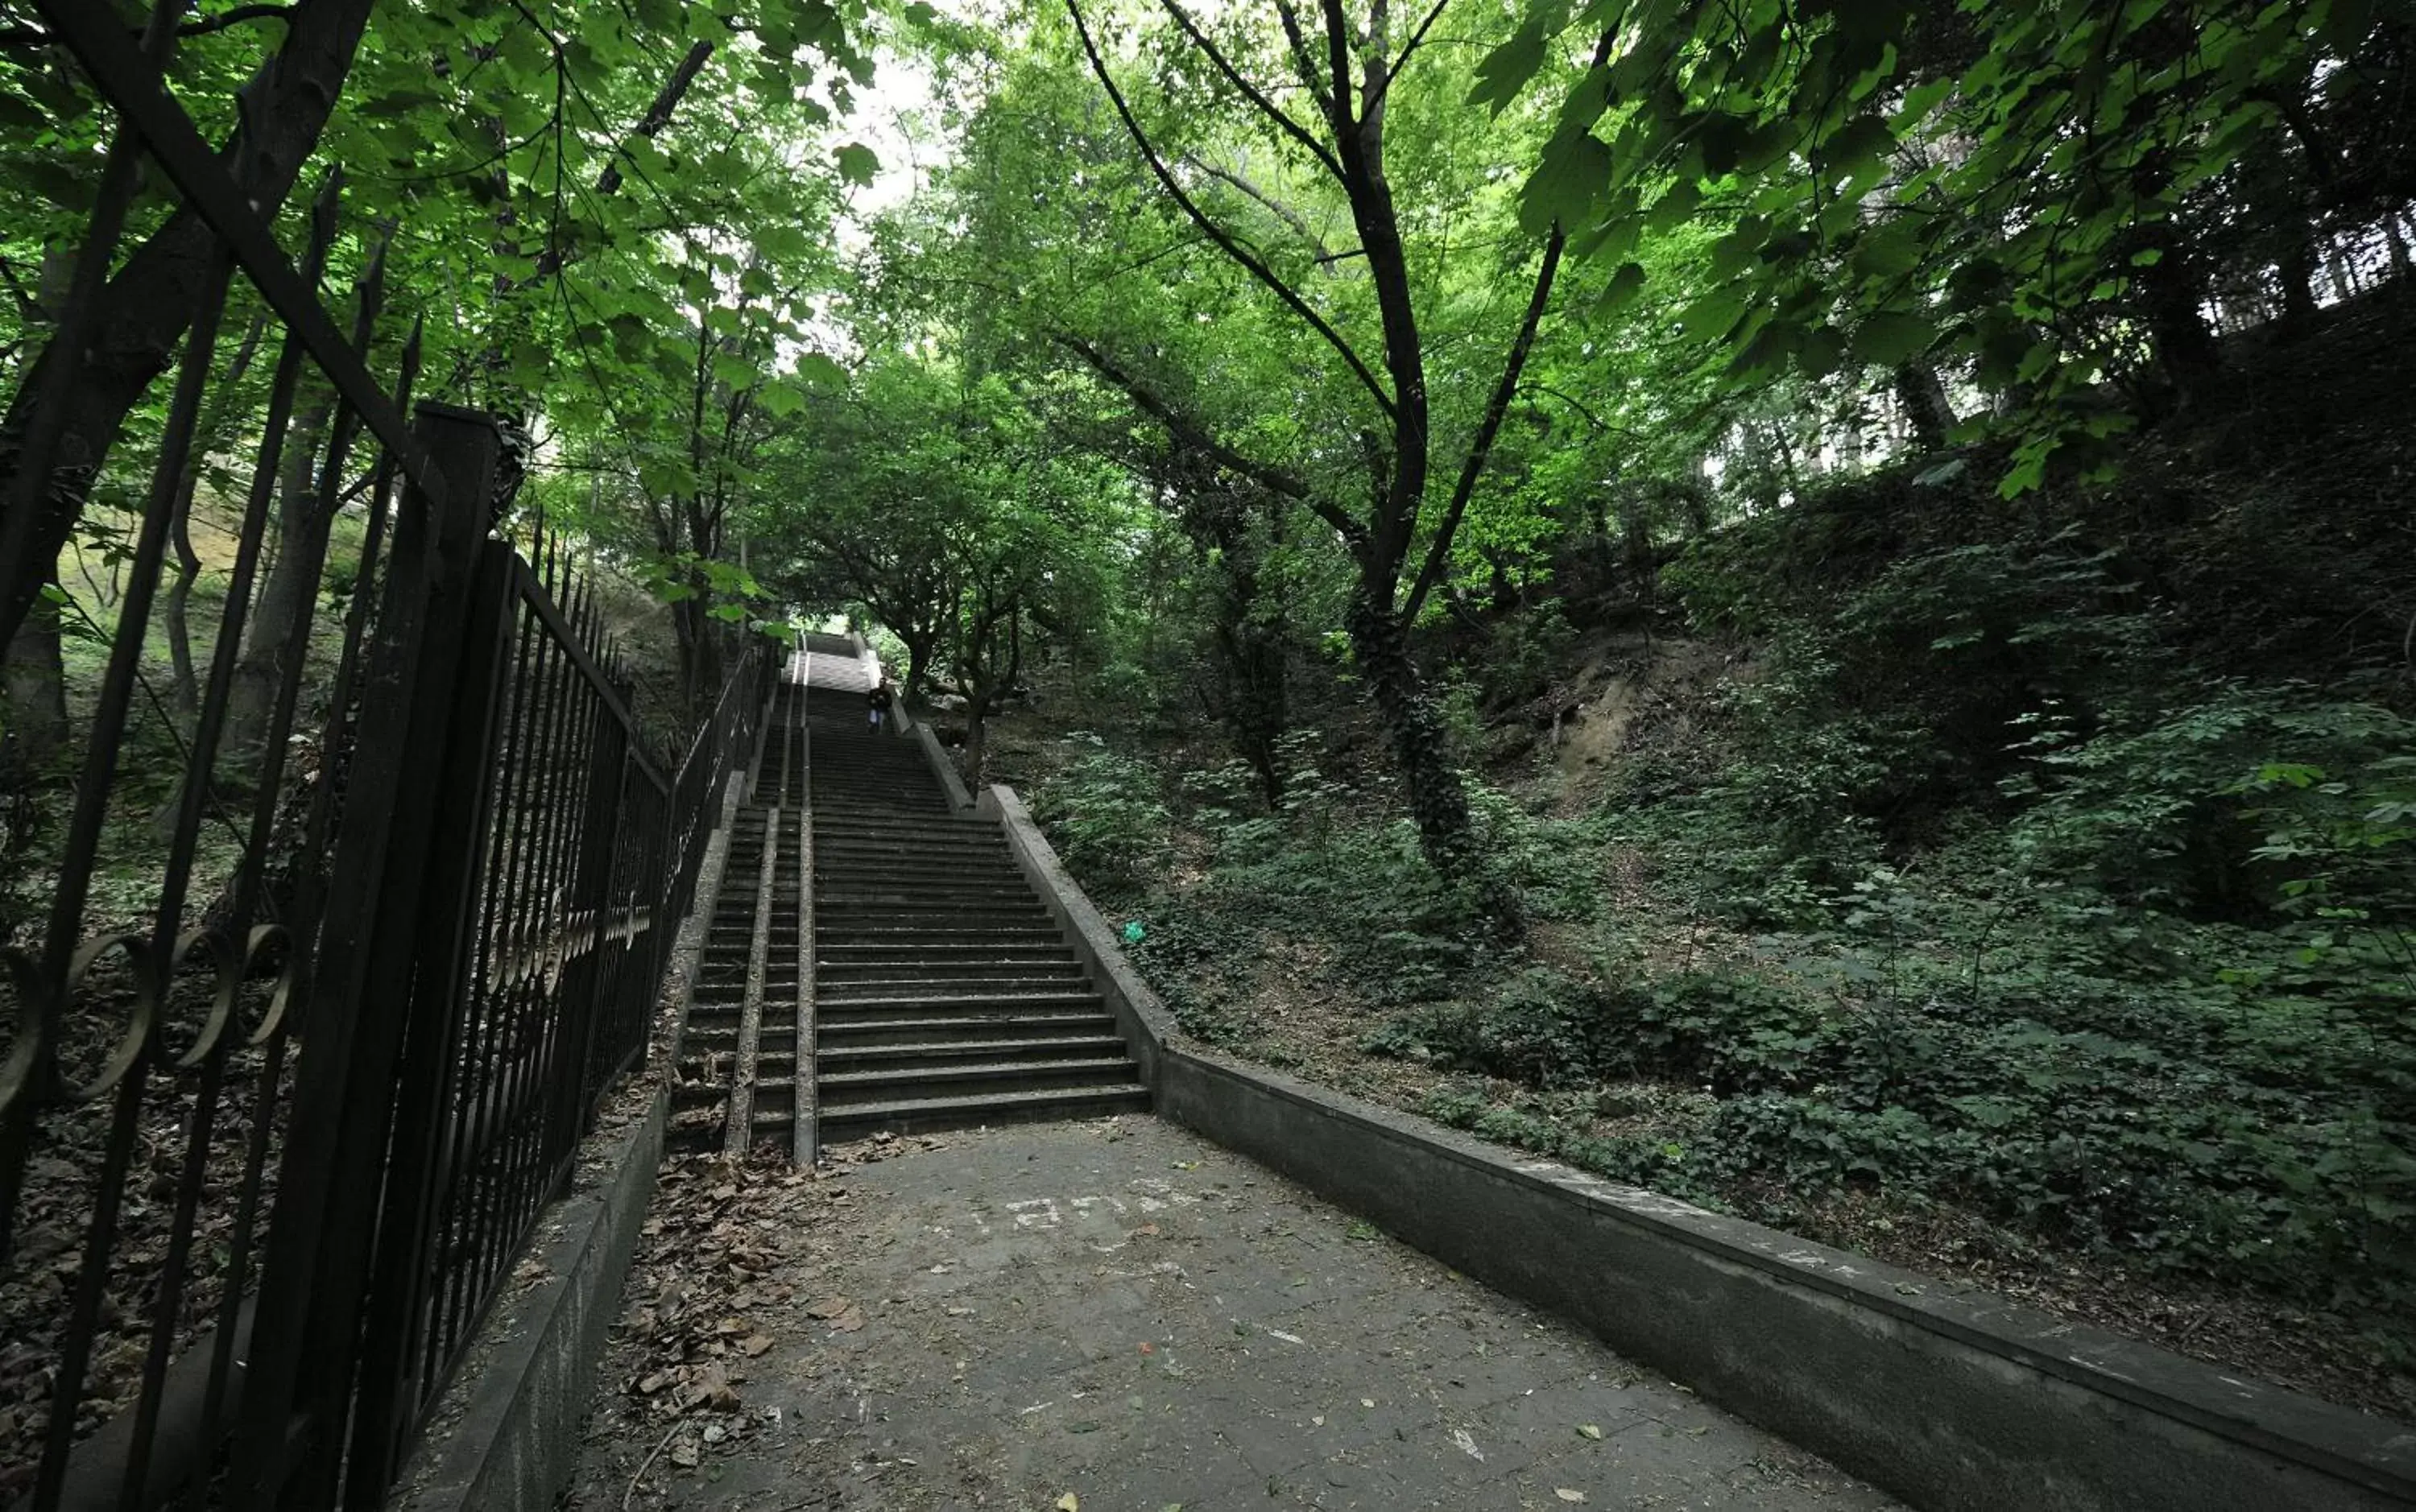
(1417, 39)
(1283, 212)
(1217, 234)
(25, 37)
(1251, 92)
(1192, 434)
(658, 114)
(1304, 63)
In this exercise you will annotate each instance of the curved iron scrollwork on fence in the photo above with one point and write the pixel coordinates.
(333, 970)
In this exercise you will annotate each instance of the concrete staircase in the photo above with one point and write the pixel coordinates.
(925, 975)
(737, 1080)
(943, 994)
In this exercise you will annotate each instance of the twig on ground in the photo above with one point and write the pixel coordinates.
(660, 1445)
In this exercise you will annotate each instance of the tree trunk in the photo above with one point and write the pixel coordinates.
(34, 712)
(2298, 276)
(1438, 801)
(280, 616)
(700, 660)
(1252, 659)
(2172, 296)
(1925, 405)
(147, 305)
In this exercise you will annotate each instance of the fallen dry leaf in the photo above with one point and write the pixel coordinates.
(848, 1322)
(754, 1344)
(684, 1455)
(1567, 1495)
(829, 1307)
(1069, 1502)
(710, 1390)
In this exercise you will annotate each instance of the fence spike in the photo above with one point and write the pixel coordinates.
(371, 292)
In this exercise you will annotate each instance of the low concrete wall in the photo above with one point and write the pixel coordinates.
(1947, 1395)
(506, 1438)
(936, 756)
(1148, 1028)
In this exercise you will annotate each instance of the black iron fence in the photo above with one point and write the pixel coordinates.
(332, 966)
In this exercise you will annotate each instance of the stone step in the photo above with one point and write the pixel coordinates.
(914, 854)
(839, 905)
(839, 908)
(778, 1029)
(894, 992)
(849, 881)
(936, 932)
(913, 866)
(836, 972)
(915, 1114)
(897, 840)
(835, 1034)
(972, 877)
(1069, 1068)
(969, 900)
(1062, 1047)
(836, 952)
(926, 999)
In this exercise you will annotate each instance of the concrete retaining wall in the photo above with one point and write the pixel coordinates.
(1945, 1394)
(506, 1438)
(935, 756)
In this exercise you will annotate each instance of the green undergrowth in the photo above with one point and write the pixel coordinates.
(1973, 892)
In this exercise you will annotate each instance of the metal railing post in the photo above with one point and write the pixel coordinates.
(316, 1267)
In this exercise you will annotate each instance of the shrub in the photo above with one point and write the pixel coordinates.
(1105, 817)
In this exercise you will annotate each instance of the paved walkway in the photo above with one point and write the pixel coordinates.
(1108, 1316)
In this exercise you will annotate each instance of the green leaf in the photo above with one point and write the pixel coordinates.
(530, 362)
(1889, 251)
(1623, 286)
(1767, 350)
(1889, 338)
(734, 372)
(1858, 142)
(1820, 351)
(816, 370)
(1734, 253)
(1715, 315)
(857, 163)
(397, 103)
(1503, 73)
(1575, 169)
